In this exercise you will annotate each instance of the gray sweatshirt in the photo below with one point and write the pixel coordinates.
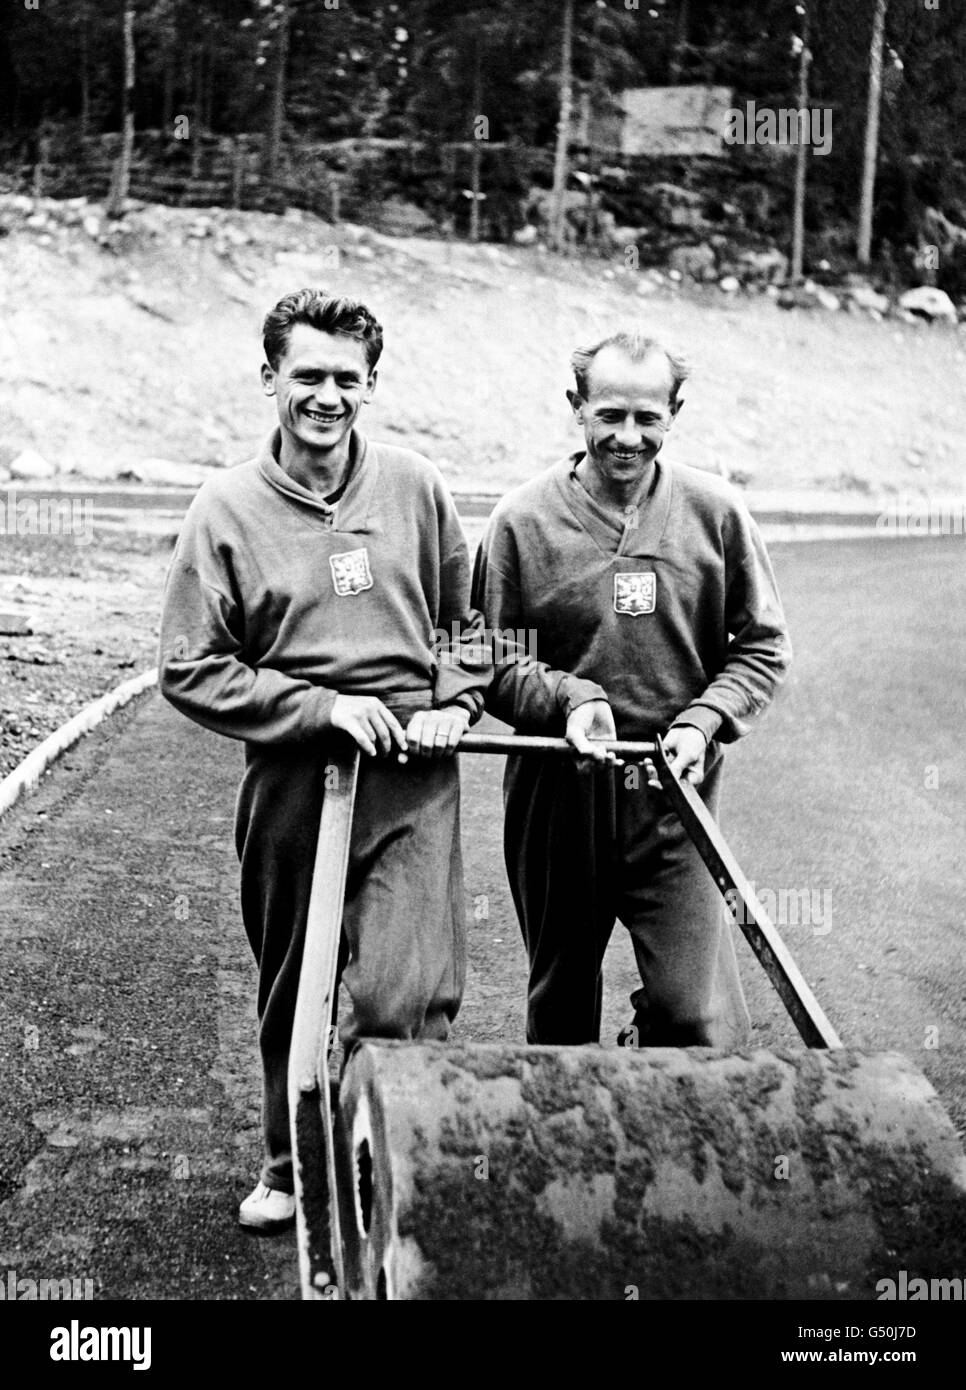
(275, 601)
(676, 619)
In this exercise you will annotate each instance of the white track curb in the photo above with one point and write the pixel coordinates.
(28, 773)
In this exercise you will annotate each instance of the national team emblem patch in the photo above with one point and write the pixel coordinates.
(350, 572)
(635, 594)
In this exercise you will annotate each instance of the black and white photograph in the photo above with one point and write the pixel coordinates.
(482, 615)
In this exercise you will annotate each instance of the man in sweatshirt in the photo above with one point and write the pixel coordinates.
(300, 608)
(655, 610)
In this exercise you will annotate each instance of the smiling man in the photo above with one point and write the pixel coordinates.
(301, 606)
(655, 610)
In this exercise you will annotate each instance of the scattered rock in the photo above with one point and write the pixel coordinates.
(13, 625)
(730, 284)
(97, 467)
(694, 262)
(795, 297)
(808, 296)
(31, 466)
(235, 235)
(625, 236)
(525, 236)
(399, 218)
(866, 299)
(679, 207)
(355, 232)
(767, 267)
(164, 473)
(929, 303)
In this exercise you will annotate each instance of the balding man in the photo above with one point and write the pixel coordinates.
(655, 610)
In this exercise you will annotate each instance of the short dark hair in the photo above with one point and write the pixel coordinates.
(637, 346)
(329, 313)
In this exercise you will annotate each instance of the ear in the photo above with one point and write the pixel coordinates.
(370, 385)
(576, 401)
(268, 380)
(676, 407)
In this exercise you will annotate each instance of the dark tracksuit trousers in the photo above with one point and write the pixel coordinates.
(403, 944)
(584, 850)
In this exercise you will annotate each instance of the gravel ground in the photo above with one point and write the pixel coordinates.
(91, 615)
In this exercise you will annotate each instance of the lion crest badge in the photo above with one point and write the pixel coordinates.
(350, 572)
(635, 594)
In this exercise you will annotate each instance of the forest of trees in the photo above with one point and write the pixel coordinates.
(290, 72)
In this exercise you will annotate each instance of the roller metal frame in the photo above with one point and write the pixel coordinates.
(317, 1210)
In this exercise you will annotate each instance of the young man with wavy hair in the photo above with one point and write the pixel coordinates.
(300, 606)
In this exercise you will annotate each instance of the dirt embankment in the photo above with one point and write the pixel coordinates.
(142, 342)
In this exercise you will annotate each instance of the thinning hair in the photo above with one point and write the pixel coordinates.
(329, 313)
(637, 346)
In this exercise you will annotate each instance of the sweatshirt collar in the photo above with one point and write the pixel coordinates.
(606, 527)
(351, 511)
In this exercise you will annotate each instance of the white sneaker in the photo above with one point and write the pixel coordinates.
(267, 1211)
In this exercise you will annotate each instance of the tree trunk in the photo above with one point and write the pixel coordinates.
(197, 141)
(167, 98)
(871, 154)
(475, 153)
(122, 170)
(801, 158)
(208, 86)
(564, 124)
(85, 76)
(44, 145)
(238, 167)
(273, 145)
(597, 95)
(680, 42)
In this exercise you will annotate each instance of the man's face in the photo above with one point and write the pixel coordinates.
(322, 382)
(627, 412)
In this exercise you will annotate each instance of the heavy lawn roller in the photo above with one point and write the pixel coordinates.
(517, 1172)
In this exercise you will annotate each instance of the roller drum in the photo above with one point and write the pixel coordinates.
(512, 1172)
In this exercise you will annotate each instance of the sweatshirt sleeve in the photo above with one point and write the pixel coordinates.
(525, 693)
(201, 668)
(465, 665)
(759, 650)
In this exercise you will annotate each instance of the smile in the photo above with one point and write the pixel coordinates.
(323, 417)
